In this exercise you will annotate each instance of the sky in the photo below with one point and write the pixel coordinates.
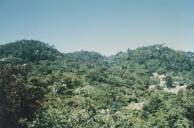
(105, 26)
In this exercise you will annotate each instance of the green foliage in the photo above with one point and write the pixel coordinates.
(43, 88)
(17, 100)
(29, 51)
(169, 82)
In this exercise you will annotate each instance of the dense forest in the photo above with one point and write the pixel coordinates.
(148, 87)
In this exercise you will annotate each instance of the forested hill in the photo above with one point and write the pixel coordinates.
(85, 57)
(29, 51)
(147, 87)
(157, 57)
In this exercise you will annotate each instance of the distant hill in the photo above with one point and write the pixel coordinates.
(29, 51)
(157, 57)
(84, 56)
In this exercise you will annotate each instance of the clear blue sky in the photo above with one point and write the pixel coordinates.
(106, 26)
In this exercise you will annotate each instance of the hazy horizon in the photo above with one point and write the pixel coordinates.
(104, 26)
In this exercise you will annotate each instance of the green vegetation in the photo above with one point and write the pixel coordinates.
(43, 88)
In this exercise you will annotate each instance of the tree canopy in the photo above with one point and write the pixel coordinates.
(41, 87)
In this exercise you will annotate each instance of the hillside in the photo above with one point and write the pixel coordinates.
(28, 51)
(40, 87)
